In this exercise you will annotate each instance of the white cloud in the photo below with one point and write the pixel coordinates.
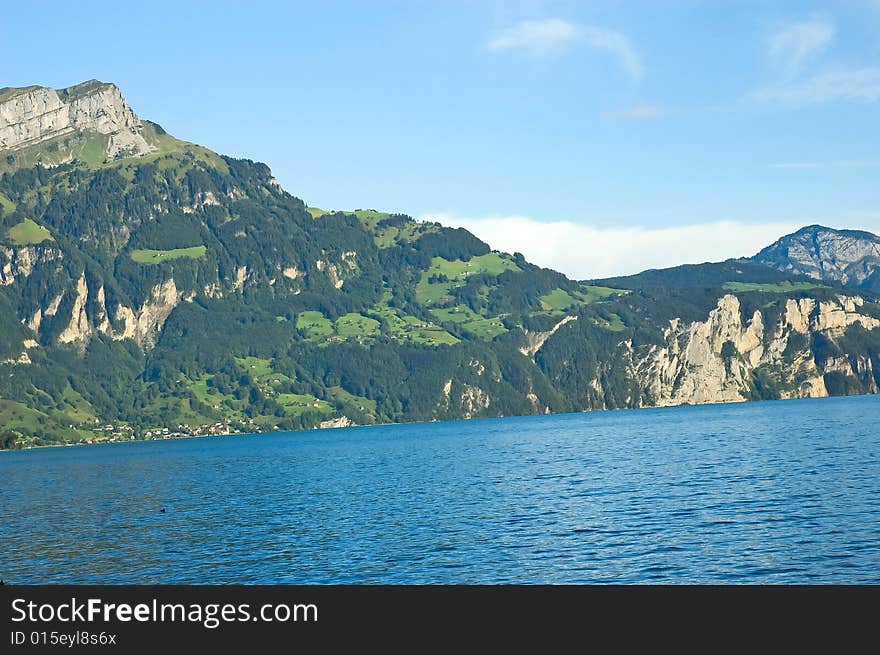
(552, 35)
(859, 85)
(638, 112)
(616, 44)
(585, 252)
(792, 47)
(790, 50)
(535, 36)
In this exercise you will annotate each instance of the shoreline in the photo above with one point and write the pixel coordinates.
(732, 403)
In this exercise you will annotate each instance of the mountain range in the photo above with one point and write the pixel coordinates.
(150, 287)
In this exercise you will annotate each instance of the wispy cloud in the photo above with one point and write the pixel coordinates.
(638, 112)
(587, 252)
(790, 52)
(535, 36)
(616, 44)
(814, 165)
(790, 48)
(859, 85)
(552, 36)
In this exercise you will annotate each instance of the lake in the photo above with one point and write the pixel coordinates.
(765, 492)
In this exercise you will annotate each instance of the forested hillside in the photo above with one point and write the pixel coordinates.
(166, 290)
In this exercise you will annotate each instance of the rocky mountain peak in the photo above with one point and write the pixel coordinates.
(850, 257)
(65, 123)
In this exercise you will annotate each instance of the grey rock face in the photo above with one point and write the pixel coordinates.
(849, 257)
(36, 114)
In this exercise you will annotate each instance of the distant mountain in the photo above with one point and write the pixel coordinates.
(849, 257)
(150, 287)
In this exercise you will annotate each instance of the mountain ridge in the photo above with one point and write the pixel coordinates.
(178, 292)
(851, 257)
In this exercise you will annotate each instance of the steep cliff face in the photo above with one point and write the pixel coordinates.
(79, 327)
(849, 257)
(34, 115)
(722, 358)
(337, 272)
(144, 324)
(89, 315)
(795, 351)
(538, 339)
(19, 262)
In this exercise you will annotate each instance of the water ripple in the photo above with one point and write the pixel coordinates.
(785, 492)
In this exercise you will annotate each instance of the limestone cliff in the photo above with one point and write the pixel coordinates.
(337, 272)
(144, 324)
(19, 262)
(36, 114)
(79, 327)
(538, 339)
(141, 324)
(716, 360)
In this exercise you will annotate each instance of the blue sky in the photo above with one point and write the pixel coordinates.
(554, 128)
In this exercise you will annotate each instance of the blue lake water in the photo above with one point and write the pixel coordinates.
(771, 492)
